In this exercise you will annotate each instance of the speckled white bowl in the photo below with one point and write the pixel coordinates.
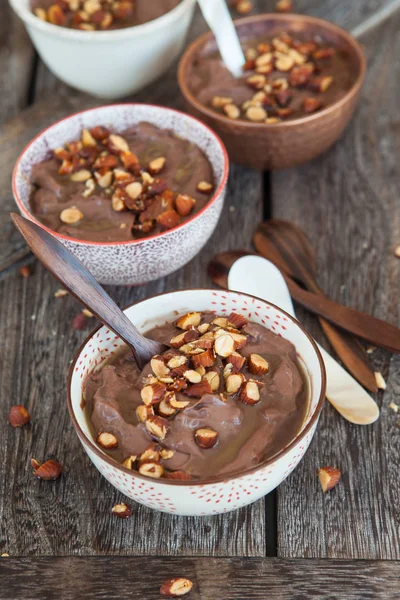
(137, 261)
(221, 494)
(109, 64)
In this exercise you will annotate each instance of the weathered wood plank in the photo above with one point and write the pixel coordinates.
(230, 579)
(347, 202)
(16, 68)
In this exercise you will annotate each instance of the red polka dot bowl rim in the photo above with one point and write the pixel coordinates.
(161, 308)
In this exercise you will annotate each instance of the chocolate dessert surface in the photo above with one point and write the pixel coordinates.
(226, 395)
(100, 15)
(286, 76)
(115, 187)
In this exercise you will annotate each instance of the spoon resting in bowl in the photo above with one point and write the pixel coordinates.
(80, 283)
(219, 20)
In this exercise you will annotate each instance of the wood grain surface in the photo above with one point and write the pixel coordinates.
(347, 202)
(213, 579)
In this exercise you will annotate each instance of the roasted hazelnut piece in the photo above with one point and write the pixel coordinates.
(234, 382)
(205, 187)
(151, 453)
(311, 105)
(237, 320)
(159, 367)
(236, 360)
(257, 364)
(328, 477)
(249, 393)
(18, 416)
(180, 475)
(49, 470)
(224, 345)
(197, 390)
(205, 359)
(151, 469)
(169, 219)
(206, 437)
(107, 440)
(184, 204)
(213, 378)
(174, 588)
(143, 412)
(153, 393)
(192, 319)
(157, 426)
(122, 511)
(129, 462)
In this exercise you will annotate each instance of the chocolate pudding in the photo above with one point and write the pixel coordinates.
(226, 395)
(109, 187)
(101, 15)
(286, 76)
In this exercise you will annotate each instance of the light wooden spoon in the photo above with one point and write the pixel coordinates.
(80, 282)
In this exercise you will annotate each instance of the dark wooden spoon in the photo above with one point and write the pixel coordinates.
(80, 282)
(288, 247)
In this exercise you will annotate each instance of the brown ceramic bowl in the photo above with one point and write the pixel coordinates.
(288, 143)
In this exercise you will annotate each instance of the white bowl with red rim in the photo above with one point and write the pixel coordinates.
(139, 261)
(220, 494)
(114, 63)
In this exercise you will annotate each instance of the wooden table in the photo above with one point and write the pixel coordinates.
(62, 540)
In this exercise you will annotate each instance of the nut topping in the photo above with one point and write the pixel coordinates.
(328, 478)
(80, 176)
(151, 469)
(134, 189)
(257, 364)
(122, 511)
(157, 426)
(205, 187)
(144, 412)
(231, 111)
(49, 470)
(205, 359)
(152, 394)
(311, 105)
(213, 378)
(250, 394)
(220, 101)
(184, 204)
(237, 320)
(224, 345)
(236, 360)
(197, 390)
(233, 383)
(256, 113)
(159, 367)
(169, 219)
(107, 440)
(192, 376)
(191, 319)
(206, 437)
(129, 462)
(71, 215)
(117, 143)
(179, 586)
(18, 416)
(157, 165)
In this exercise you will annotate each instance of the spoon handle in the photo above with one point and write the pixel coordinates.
(80, 283)
(362, 325)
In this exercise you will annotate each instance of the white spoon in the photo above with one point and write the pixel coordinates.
(259, 277)
(219, 20)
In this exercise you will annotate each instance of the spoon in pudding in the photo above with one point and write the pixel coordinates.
(219, 20)
(80, 283)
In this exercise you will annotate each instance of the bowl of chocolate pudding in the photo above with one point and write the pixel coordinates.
(216, 421)
(108, 48)
(134, 191)
(299, 88)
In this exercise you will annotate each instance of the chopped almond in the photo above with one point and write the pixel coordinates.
(328, 478)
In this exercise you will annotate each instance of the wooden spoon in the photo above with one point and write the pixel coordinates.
(80, 282)
(289, 249)
(350, 320)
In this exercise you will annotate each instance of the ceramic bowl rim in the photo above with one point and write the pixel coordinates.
(324, 25)
(113, 35)
(217, 192)
(223, 478)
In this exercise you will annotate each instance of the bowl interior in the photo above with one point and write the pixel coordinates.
(117, 118)
(270, 25)
(160, 309)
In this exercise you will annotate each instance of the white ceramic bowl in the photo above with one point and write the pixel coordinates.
(221, 494)
(109, 64)
(137, 261)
